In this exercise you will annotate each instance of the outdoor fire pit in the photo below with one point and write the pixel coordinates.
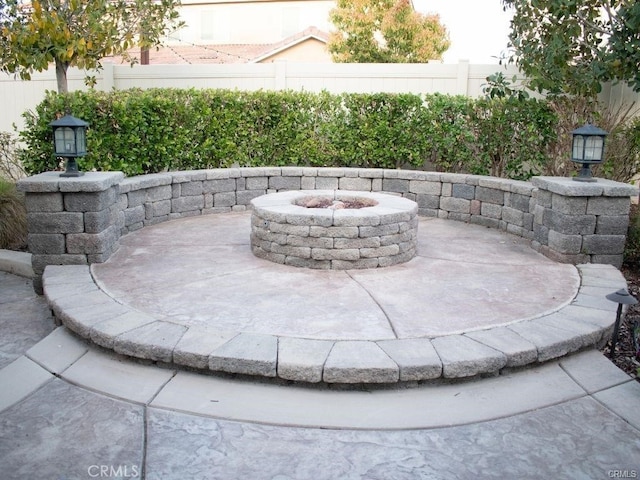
(334, 229)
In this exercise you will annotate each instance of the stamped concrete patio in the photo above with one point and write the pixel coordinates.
(200, 272)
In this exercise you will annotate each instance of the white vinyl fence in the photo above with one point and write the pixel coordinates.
(17, 96)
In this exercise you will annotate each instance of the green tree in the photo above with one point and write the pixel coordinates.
(573, 46)
(78, 32)
(385, 31)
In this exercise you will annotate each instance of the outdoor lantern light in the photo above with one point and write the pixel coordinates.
(621, 297)
(70, 142)
(587, 149)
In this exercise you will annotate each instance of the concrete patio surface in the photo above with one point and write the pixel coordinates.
(200, 271)
(71, 410)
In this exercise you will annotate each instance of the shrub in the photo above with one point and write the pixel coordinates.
(147, 131)
(632, 247)
(447, 126)
(10, 168)
(13, 217)
(622, 151)
(379, 131)
(511, 136)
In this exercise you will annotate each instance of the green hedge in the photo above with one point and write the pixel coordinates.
(147, 131)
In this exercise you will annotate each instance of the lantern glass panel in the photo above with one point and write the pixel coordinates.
(593, 148)
(578, 147)
(65, 141)
(81, 142)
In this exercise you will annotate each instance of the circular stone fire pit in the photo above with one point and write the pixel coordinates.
(334, 229)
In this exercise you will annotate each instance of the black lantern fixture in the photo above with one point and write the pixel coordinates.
(587, 149)
(70, 142)
(621, 297)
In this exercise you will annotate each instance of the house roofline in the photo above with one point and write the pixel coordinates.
(287, 46)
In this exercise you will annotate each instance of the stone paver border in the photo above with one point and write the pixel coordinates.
(84, 308)
(64, 356)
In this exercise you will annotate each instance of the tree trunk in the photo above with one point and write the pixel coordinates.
(61, 76)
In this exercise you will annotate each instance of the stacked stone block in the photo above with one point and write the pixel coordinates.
(71, 221)
(581, 222)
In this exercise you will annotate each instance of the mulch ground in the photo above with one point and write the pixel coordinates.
(627, 352)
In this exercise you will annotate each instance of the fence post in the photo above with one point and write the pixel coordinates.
(107, 77)
(280, 82)
(462, 81)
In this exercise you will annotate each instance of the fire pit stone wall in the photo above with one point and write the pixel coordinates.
(285, 231)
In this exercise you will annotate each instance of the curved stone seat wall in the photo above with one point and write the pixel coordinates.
(80, 220)
(493, 202)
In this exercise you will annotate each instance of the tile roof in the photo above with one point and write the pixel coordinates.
(221, 53)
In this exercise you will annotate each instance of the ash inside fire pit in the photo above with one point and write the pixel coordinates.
(334, 204)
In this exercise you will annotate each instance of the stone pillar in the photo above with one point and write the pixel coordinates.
(581, 222)
(71, 221)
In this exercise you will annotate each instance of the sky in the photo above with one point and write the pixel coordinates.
(478, 29)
